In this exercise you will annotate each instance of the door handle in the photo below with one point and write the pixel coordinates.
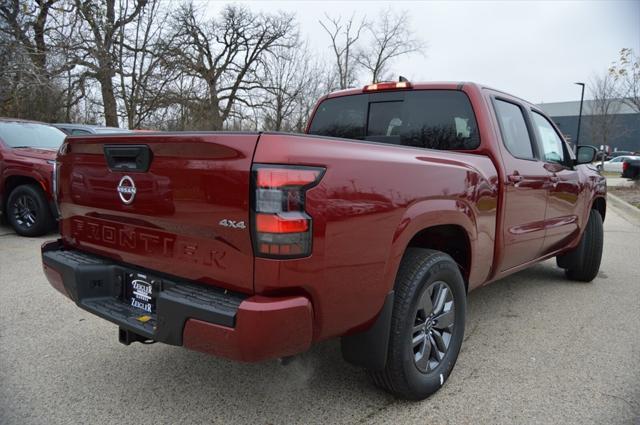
(515, 177)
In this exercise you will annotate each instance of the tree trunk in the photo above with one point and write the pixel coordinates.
(213, 116)
(279, 117)
(109, 101)
(215, 121)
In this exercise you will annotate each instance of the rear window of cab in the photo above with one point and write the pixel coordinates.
(432, 119)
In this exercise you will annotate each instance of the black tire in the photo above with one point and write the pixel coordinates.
(583, 263)
(28, 211)
(420, 270)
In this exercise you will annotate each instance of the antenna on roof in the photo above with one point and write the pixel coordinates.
(403, 79)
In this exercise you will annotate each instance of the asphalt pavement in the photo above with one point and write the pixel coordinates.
(619, 182)
(538, 349)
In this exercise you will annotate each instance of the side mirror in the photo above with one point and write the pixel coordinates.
(585, 154)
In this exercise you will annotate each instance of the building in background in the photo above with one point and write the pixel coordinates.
(613, 123)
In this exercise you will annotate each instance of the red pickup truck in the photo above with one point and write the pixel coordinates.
(372, 227)
(27, 159)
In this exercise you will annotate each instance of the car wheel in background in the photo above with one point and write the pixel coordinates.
(28, 211)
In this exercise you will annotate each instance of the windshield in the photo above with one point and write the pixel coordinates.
(28, 134)
(433, 119)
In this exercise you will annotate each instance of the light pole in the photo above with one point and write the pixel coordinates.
(580, 114)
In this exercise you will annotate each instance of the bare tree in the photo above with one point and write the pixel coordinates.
(143, 82)
(391, 38)
(344, 36)
(626, 74)
(96, 50)
(26, 22)
(28, 87)
(62, 40)
(152, 63)
(605, 108)
(286, 77)
(320, 81)
(223, 55)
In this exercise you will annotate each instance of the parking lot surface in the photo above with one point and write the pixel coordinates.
(538, 349)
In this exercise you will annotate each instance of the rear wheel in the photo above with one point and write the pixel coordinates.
(427, 325)
(28, 211)
(583, 262)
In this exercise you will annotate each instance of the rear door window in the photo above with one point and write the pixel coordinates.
(433, 119)
(513, 127)
(344, 117)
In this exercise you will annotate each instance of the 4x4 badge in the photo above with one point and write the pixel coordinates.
(126, 190)
(233, 224)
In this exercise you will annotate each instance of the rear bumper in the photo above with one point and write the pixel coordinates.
(631, 173)
(196, 316)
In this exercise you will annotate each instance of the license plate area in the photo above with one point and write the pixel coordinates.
(141, 292)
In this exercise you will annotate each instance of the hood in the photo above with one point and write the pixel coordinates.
(38, 153)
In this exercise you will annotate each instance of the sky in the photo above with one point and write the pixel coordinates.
(532, 49)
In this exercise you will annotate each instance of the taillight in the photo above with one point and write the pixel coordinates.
(625, 165)
(388, 86)
(281, 227)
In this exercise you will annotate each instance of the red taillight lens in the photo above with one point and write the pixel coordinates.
(273, 223)
(625, 165)
(281, 226)
(275, 177)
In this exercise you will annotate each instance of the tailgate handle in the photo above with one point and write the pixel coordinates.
(128, 157)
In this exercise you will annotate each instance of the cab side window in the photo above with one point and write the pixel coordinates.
(77, 131)
(552, 144)
(513, 127)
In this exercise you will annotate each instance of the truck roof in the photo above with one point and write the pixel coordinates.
(434, 85)
(426, 85)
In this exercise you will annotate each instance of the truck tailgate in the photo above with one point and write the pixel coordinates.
(172, 203)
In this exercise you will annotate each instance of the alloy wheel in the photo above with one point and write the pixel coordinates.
(25, 211)
(433, 326)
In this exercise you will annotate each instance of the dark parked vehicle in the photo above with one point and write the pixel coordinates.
(80, 129)
(373, 227)
(631, 169)
(27, 161)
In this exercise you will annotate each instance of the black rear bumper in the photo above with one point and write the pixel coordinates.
(97, 284)
(632, 172)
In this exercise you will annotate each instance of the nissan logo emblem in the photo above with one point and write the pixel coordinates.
(126, 190)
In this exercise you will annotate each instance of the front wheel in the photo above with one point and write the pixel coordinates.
(583, 262)
(28, 211)
(427, 325)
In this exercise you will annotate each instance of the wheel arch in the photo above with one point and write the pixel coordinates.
(600, 204)
(449, 226)
(452, 239)
(15, 180)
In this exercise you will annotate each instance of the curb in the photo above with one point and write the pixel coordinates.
(624, 207)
